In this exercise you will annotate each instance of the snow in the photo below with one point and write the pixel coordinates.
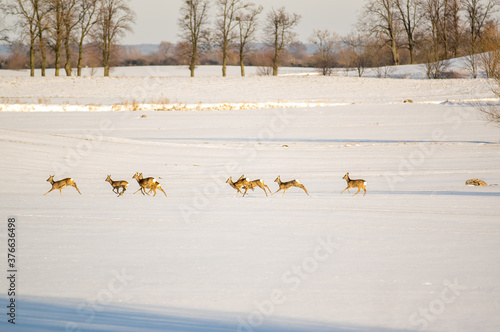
(418, 252)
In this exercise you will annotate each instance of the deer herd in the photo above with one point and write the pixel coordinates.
(242, 183)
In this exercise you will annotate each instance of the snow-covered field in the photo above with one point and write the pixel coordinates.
(419, 252)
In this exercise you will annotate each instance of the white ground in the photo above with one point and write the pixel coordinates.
(419, 252)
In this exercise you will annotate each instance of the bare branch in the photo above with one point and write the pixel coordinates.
(279, 32)
(193, 28)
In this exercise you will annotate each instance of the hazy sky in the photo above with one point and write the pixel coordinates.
(157, 19)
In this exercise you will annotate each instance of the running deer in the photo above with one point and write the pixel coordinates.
(242, 182)
(287, 185)
(117, 185)
(359, 183)
(154, 186)
(148, 183)
(256, 183)
(61, 184)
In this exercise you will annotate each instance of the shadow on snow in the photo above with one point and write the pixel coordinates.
(74, 316)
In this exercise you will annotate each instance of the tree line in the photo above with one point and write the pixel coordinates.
(238, 32)
(60, 28)
(430, 32)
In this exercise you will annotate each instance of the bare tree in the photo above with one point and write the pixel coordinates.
(247, 24)
(454, 27)
(228, 12)
(491, 112)
(410, 15)
(279, 33)
(379, 18)
(478, 12)
(42, 10)
(70, 21)
(114, 19)
(87, 18)
(56, 29)
(324, 42)
(25, 10)
(357, 45)
(193, 26)
(489, 56)
(434, 13)
(165, 54)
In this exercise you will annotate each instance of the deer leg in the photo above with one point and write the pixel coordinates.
(364, 190)
(163, 191)
(60, 191)
(138, 190)
(246, 189)
(48, 191)
(359, 188)
(267, 189)
(264, 190)
(276, 191)
(344, 190)
(74, 185)
(304, 188)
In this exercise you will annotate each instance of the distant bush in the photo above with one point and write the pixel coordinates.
(491, 111)
(436, 69)
(16, 61)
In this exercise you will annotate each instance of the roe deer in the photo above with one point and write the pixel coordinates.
(154, 186)
(117, 185)
(256, 183)
(240, 183)
(359, 183)
(287, 185)
(147, 183)
(61, 184)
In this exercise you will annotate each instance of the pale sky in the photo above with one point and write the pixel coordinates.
(156, 20)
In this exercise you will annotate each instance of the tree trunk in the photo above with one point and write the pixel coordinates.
(80, 57)
(32, 57)
(67, 66)
(57, 51)
(192, 65)
(395, 54)
(224, 62)
(242, 64)
(44, 56)
(224, 58)
(276, 60)
(445, 31)
(105, 60)
(411, 48)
